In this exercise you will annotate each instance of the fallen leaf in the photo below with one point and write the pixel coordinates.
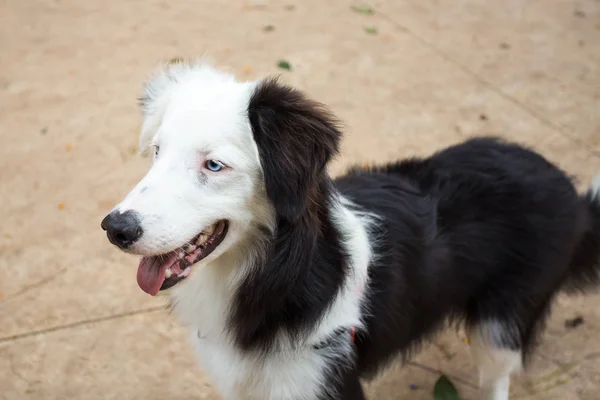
(268, 28)
(68, 147)
(44, 131)
(61, 206)
(283, 64)
(290, 7)
(574, 322)
(1, 295)
(445, 390)
(247, 69)
(371, 30)
(363, 10)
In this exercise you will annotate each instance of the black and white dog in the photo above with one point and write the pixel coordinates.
(296, 286)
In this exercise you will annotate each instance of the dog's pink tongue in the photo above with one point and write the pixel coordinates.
(151, 272)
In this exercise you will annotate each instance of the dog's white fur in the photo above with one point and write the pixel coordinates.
(495, 364)
(193, 114)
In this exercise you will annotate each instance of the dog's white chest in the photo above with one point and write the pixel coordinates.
(299, 373)
(285, 375)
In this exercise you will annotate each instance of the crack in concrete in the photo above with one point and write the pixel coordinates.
(76, 324)
(549, 381)
(35, 285)
(557, 128)
(437, 372)
(14, 371)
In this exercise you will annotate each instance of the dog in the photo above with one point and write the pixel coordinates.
(299, 286)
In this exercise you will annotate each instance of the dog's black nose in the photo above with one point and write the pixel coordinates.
(122, 229)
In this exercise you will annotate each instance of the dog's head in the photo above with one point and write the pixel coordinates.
(230, 158)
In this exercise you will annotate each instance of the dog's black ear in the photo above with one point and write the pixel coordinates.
(296, 138)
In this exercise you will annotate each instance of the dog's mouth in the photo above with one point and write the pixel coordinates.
(163, 271)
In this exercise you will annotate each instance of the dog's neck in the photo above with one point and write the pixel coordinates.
(301, 270)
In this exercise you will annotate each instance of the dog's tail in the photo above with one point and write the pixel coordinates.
(584, 271)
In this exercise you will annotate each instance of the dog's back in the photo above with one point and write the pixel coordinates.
(485, 233)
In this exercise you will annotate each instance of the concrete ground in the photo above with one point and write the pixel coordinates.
(410, 78)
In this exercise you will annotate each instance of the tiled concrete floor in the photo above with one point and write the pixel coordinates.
(73, 323)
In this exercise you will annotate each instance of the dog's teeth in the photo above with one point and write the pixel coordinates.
(168, 273)
(209, 231)
(202, 238)
(181, 254)
(190, 248)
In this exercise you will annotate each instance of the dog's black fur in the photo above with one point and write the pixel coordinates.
(303, 264)
(484, 230)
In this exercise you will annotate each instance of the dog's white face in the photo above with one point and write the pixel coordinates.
(204, 188)
(232, 161)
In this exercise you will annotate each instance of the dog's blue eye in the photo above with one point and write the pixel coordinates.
(214, 166)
